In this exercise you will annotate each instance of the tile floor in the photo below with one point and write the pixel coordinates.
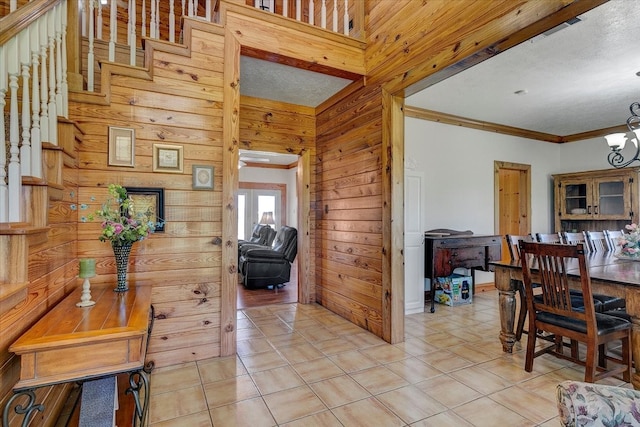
(301, 365)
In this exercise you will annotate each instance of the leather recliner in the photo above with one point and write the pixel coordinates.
(261, 267)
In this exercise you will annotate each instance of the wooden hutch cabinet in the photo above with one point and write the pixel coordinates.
(596, 200)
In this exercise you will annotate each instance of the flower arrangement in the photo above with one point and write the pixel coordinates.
(119, 224)
(630, 242)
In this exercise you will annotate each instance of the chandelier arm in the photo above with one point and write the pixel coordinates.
(616, 159)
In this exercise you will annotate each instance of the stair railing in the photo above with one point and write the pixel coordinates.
(33, 65)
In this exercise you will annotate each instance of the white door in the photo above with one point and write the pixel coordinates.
(414, 207)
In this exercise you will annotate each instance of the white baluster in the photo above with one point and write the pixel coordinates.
(44, 87)
(191, 9)
(143, 31)
(4, 194)
(272, 6)
(25, 147)
(311, 12)
(346, 17)
(113, 30)
(128, 23)
(90, 55)
(13, 5)
(53, 110)
(157, 18)
(36, 138)
(152, 23)
(256, 4)
(182, 8)
(323, 14)
(64, 87)
(132, 34)
(99, 26)
(335, 16)
(208, 10)
(59, 98)
(14, 180)
(298, 10)
(83, 18)
(285, 8)
(172, 22)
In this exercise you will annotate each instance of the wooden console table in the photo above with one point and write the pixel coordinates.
(443, 254)
(79, 344)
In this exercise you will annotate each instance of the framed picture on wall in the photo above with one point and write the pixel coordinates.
(148, 204)
(122, 143)
(167, 158)
(202, 177)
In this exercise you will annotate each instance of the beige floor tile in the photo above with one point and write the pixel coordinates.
(480, 380)
(289, 405)
(411, 404)
(445, 340)
(199, 419)
(280, 328)
(353, 361)
(317, 370)
(445, 361)
(335, 345)
(526, 403)
(317, 334)
(244, 323)
(339, 391)
(287, 340)
(248, 333)
(345, 329)
(414, 370)
(471, 352)
(220, 368)
(262, 361)
(321, 419)
(415, 346)
(174, 377)
(443, 419)
(228, 391)
(176, 403)
(507, 370)
(385, 353)
(250, 412)
(366, 413)
(253, 346)
(485, 412)
(379, 379)
(277, 379)
(364, 340)
(448, 391)
(300, 353)
(553, 422)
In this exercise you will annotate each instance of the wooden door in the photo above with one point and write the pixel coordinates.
(512, 200)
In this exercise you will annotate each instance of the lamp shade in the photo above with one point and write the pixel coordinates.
(267, 218)
(616, 141)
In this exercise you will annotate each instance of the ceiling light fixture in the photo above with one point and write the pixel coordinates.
(617, 141)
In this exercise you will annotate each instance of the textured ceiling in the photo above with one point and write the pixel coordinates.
(578, 79)
(270, 80)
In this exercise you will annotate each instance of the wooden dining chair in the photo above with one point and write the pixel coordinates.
(597, 241)
(553, 312)
(548, 237)
(612, 237)
(513, 242)
(573, 238)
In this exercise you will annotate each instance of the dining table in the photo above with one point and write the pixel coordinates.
(610, 274)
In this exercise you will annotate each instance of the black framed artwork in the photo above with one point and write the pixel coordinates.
(150, 203)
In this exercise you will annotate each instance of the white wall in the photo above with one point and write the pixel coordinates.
(459, 168)
(276, 176)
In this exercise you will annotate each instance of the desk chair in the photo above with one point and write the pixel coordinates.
(553, 312)
(548, 237)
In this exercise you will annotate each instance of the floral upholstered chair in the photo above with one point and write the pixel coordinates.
(597, 405)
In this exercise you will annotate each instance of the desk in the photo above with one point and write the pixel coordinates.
(443, 254)
(609, 275)
(78, 344)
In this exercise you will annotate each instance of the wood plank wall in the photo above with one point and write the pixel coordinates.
(182, 106)
(349, 274)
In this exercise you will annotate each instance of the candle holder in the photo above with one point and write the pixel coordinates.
(87, 270)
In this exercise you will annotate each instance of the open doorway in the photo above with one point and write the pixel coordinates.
(267, 185)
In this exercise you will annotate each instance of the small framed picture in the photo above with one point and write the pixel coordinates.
(148, 204)
(202, 177)
(167, 158)
(122, 144)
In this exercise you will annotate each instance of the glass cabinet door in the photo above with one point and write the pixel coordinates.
(610, 198)
(576, 198)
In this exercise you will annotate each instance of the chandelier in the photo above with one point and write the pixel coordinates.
(617, 141)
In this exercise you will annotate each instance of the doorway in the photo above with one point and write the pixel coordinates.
(512, 200)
